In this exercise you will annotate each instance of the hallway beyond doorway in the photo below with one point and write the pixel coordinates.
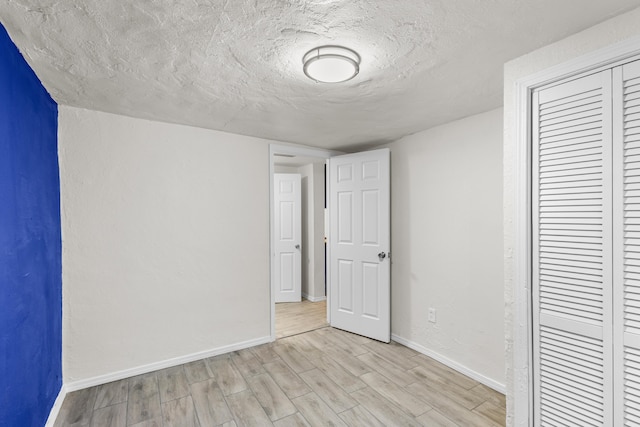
(294, 318)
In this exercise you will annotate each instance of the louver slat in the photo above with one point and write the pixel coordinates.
(571, 377)
(632, 386)
(572, 250)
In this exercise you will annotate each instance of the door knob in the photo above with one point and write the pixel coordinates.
(382, 256)
(297, 246)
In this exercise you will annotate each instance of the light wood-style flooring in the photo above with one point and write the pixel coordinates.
(325, 377)
(294, 318)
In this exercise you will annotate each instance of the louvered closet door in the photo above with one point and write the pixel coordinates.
(572, 253)
(626, 82)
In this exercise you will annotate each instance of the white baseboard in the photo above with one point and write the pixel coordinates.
(491, 383)
(313, 299)
(55, 410)
(139, 370)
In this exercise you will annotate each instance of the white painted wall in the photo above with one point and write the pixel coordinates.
(313, 231)
(285, 169)
(318, 291)
(592, 39)
(446, 243)
(308, 236)
(165, 241)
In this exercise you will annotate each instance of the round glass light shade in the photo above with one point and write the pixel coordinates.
(331, 64)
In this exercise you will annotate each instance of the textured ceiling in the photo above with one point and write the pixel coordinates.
(236, 66)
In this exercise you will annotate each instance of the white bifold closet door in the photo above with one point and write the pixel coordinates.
(572, 253)
(586, 250)
(626, 124)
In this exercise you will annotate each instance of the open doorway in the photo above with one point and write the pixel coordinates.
(310, 311)
(358, 271)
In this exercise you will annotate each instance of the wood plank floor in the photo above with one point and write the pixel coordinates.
(325, 377)
(293, 318)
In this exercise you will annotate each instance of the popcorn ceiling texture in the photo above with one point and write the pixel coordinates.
(236, 65)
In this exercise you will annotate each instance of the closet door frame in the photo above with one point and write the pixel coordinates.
(522, 321)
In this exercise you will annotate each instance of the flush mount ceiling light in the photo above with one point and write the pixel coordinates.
(331, 64)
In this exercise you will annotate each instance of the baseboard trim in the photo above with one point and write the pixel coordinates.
(57, 404)
(452, 364)
(139, 370)
(313, 299)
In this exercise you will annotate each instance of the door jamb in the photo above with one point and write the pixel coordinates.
(521, 284)
(296, 150)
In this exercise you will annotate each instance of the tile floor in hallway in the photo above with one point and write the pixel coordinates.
(293, 318)
(325, 377)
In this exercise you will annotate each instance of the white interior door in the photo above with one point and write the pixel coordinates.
(287, 230)
(359, 236)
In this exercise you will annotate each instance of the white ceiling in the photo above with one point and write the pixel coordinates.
(236, 65)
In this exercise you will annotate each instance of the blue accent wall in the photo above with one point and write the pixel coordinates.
(30, 244)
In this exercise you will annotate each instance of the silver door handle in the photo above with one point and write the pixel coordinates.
(382, 256)
(297, 246)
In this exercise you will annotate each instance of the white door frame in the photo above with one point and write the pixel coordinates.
(295, 150)
(522, 320)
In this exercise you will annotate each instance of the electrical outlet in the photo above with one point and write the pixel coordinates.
(432, 315)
